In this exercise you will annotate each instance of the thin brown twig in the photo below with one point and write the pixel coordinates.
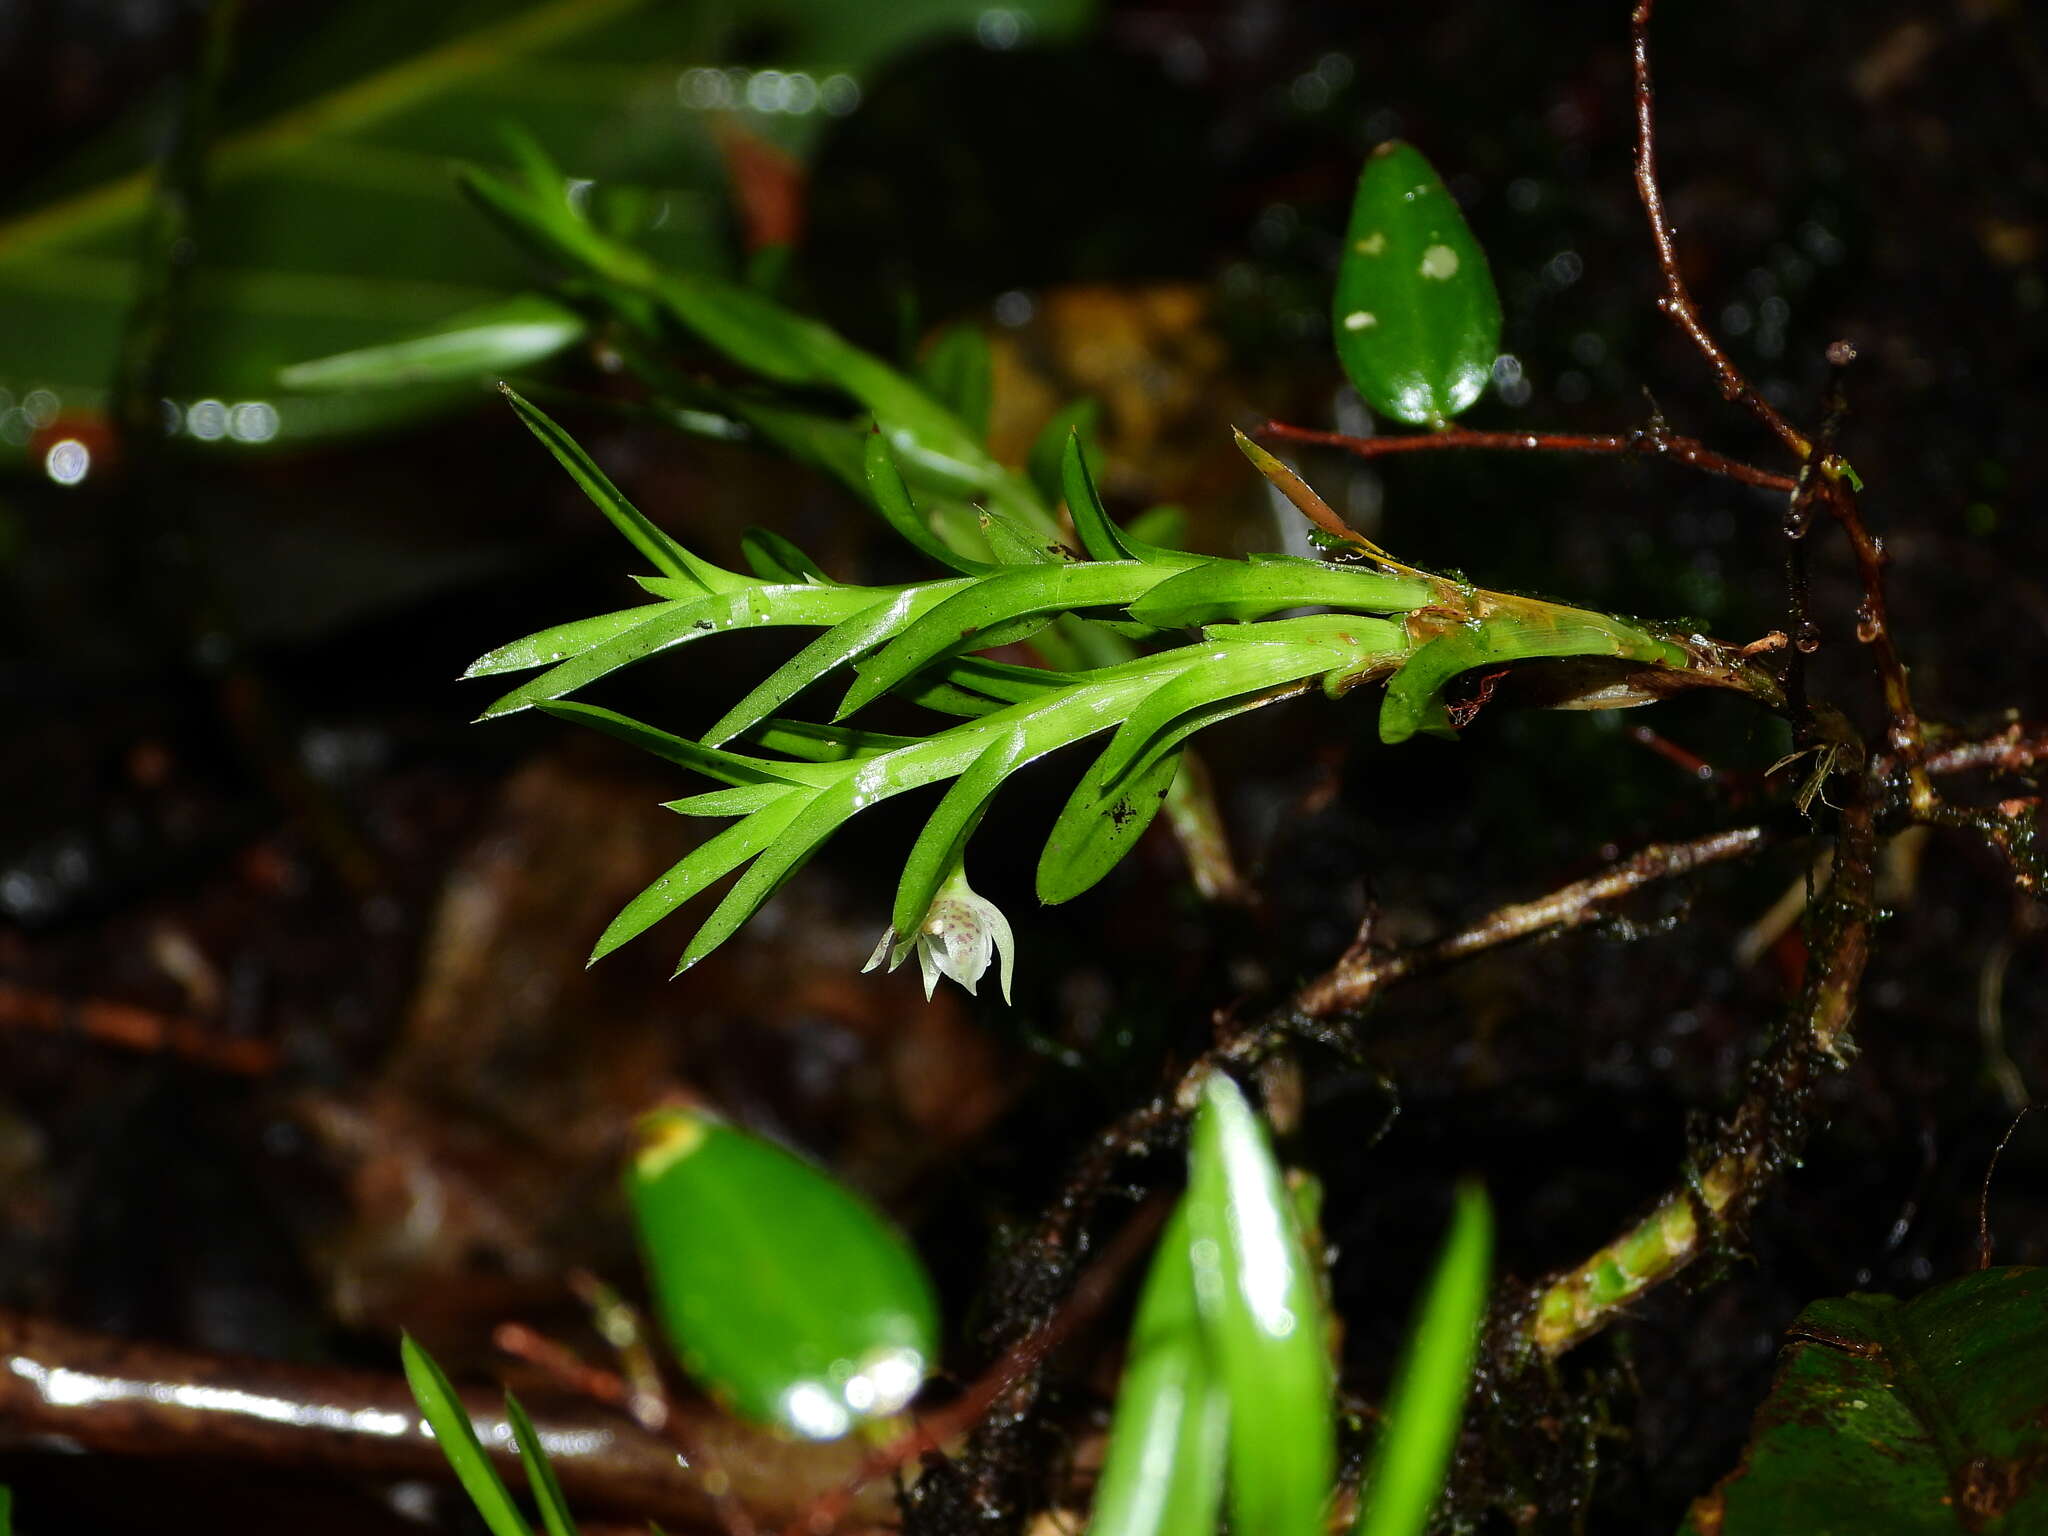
(1676, 300)
(1364, 969)
(135, 1029)
(1651, 442)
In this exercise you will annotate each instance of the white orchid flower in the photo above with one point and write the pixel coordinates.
(954, 940)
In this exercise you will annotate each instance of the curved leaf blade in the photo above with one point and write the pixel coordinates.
(1231, 589)
(943, 840)
(547, 646)
(442, 1409)
(1099, 824)
(475, 346)
(709, 861)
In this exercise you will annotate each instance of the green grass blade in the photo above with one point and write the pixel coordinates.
(456, 1436)
(1098, 535)
(540, 1475)
(548, 646)
(940, 844)
(1263, 1320)
(1168, 1438)
(846, 641)
(800, 838)
(665, 553)
(959, 621)
(708, 861)
(1428, 1401)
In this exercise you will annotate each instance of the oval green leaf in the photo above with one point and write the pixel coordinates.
(783, 1293)
(1417, 319)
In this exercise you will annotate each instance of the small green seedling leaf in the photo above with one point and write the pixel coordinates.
(478, 344)
(783, 1294)
(1428, 1402)
(1263, 1319)
(1417, 319)
(1163, 1475)
(540, 1475)
(456, 1436)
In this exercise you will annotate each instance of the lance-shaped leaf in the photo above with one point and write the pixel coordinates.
(816, 743)
(1229, 589)
(1892, 1418)
(892, 499)
(477, 345)
(442, 1409)
(800, 838)
(1264, 1322)
(703, 865)
(1428, 1402)
(782, 1292)
(1417, 319)
(666, 554)
(548, 646)
(1048, 450)
(1099, 536)
(1163, 1473)
(1099, 824)
(969, 619)
(725, 767)
(771, 557)
(682, 622)
(943, 841)
(540, 1474)
(1413, 702)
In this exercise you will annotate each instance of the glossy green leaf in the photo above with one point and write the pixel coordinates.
(696, 871)
(540, 1474)
(782, 1293)
(941, 844)
(664, 552)
(961, 621)
(698, 757)
(453, 1432)
(1099, 536)
(1428, 1402)
(683, 623)
(955, 369)
(475, 347)
(816, 743)
(805, 833)
(548, 646)
(1163, 1473)
(845, 642)
(891, 497)
(1417, 319)
(1013, 542)
(1892, 1418)
(1231, 589)
(773, 558)
(1263, 1319)
(1413, 701)
(1099, 824)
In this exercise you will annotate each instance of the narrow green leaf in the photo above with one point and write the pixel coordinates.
(681, 623)
(477, 345)
(1014, 542)
(456, 1436)
(1417, 319)
(1428, 1401)
(773, 558)
(548, 646)
(1891, 1418)
(740, 800)
(709, 861)
(782, 1292)
(845, 642)
(892, 499)
(943, 840)
(955, 369)
(666, 554)
(960, 621)
(725, 767)
(1099, 536)
(1262, 1319)
(801, 837)
(1168, 1439)
(540, 1475)
(815, 743)
(1049, 448)
(1230, 589)
(1099, 824)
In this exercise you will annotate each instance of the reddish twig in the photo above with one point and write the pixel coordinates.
(1652, 442)
(134, 1029)
(1677, 299)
